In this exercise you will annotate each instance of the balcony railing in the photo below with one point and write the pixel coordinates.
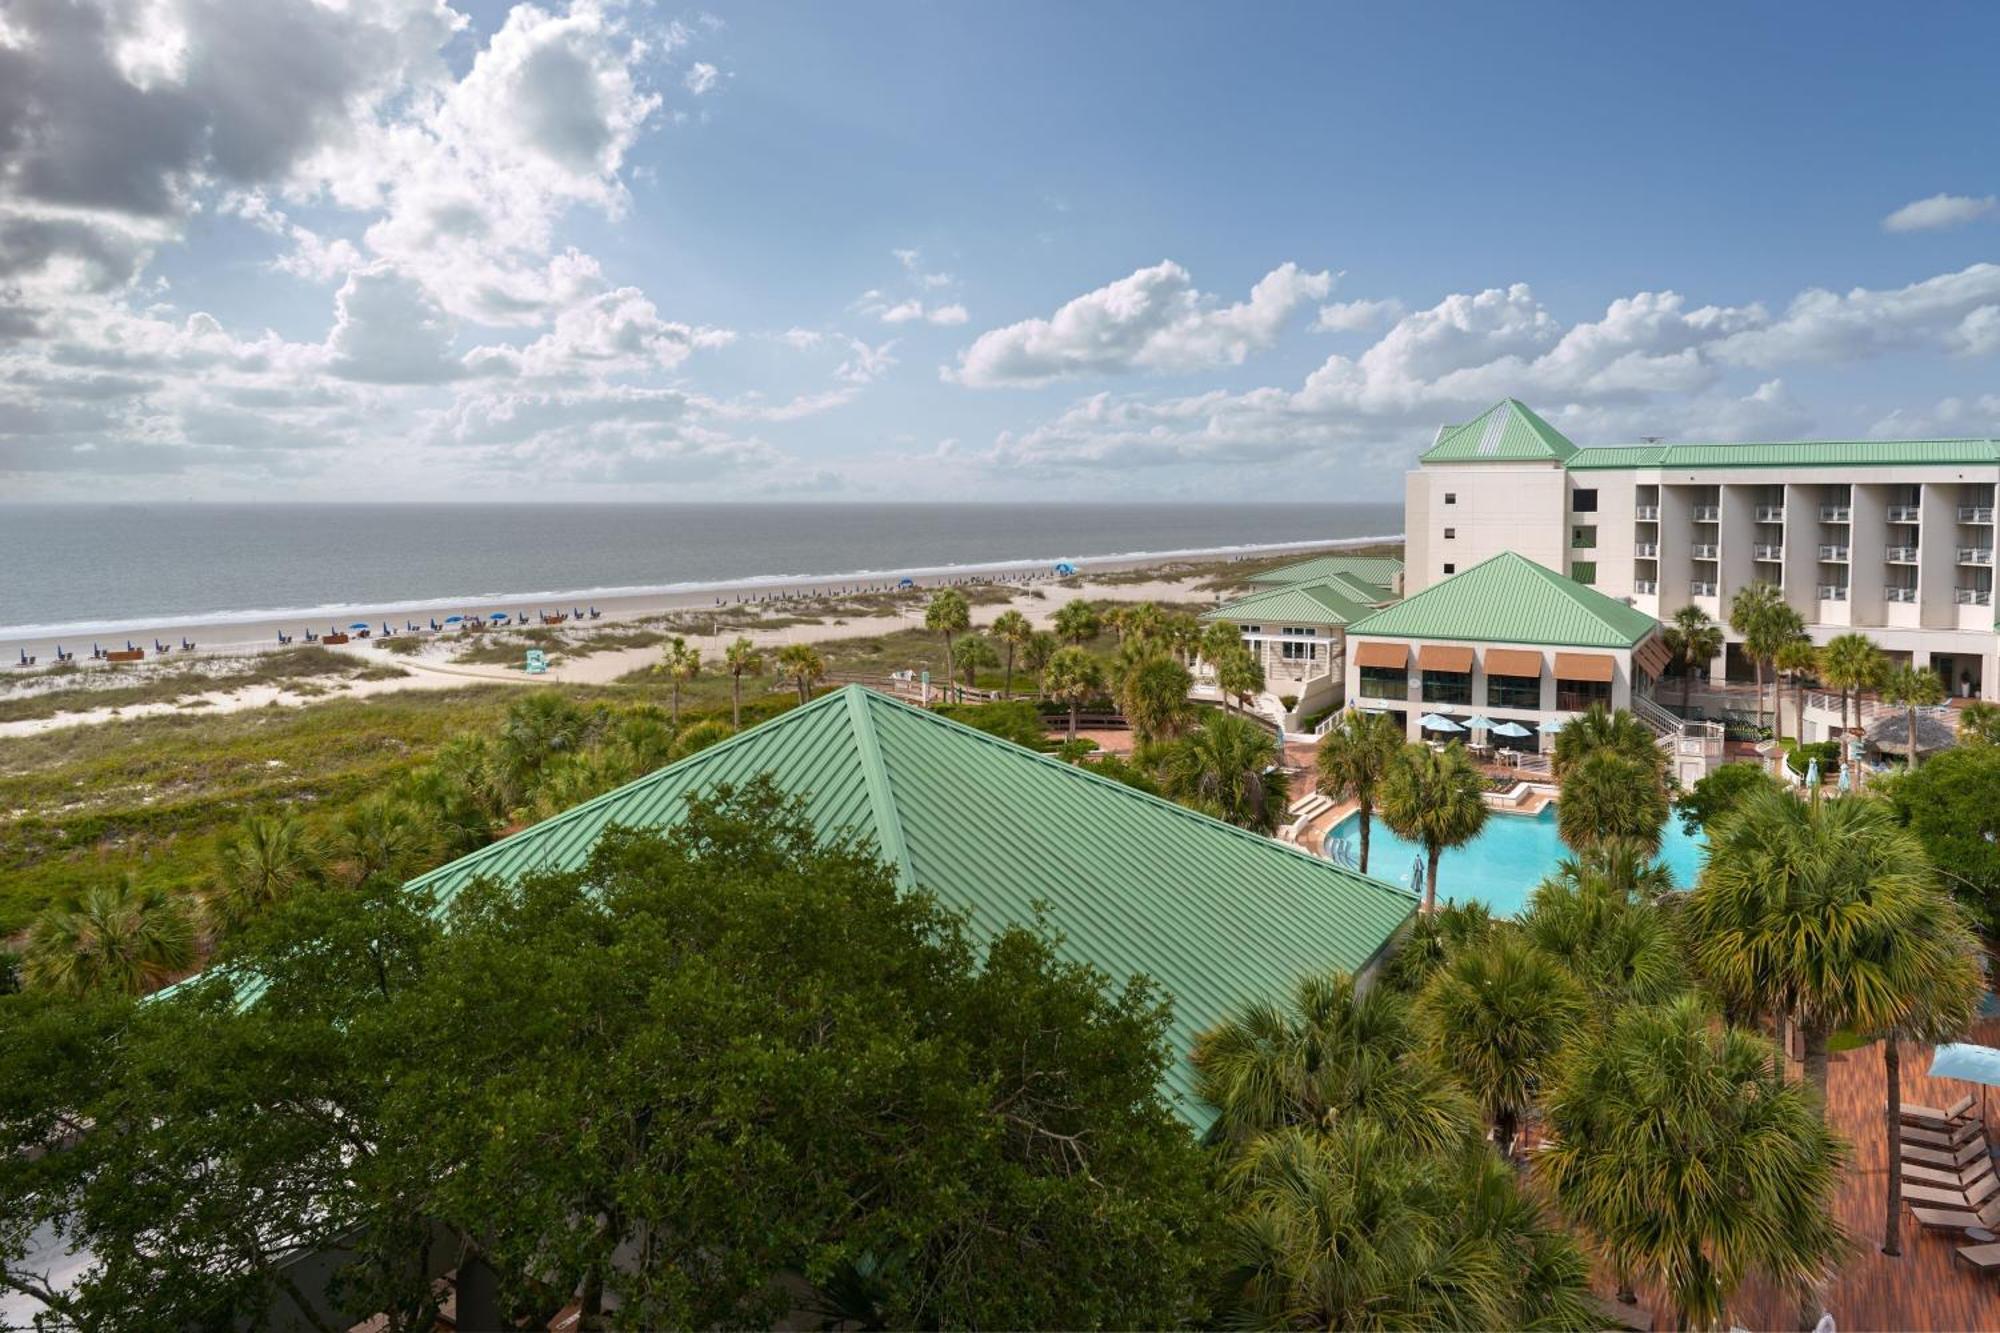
(1901, 555)
(1903, 513)
(1645, 550)
(1833, 592)
(1701, 589)
(1646, 513)
(1899, 594)
(1975, 555)
(1975, 513)
(1647, 586)
(1835, 513)
(1707, 513)
(1833, 552)
(1770, 513)
(1768, 551)
(1975, 596)
(1703, 551)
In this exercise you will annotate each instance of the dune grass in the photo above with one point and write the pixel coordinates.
(120, 687)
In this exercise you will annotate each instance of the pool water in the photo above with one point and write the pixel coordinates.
(1500, 867)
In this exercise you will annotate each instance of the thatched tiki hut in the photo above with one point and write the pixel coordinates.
(1891, 734)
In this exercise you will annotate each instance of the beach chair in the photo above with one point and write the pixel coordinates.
(1933, 1175)
(1971, 1197)
(1985, 1258)
(1956, 1160)
(1929, 1117)
(1941, 1138)
(1958, 1219)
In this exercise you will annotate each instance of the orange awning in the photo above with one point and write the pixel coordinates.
(1382, 655)
(1513, 662)
(1585, 666)
(1444, 657)
(1652, 656)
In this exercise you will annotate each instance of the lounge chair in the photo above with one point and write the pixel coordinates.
(1955, 1219)
(1985, 1258)
(1956, 1160)
(1971, 1197)
(1932, 1118)
(1941, 1138)
(1931, 1175)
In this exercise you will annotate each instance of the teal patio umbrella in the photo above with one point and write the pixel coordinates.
(1438, 722)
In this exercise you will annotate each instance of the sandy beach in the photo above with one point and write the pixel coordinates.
(770, 615)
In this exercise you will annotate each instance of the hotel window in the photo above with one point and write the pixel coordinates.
(1450, 533)
(1583, 537)
(1447, 687)
(1384, 683)
(1450, 568)
(1298, 649)
(1583, 502)
(1583, 571)
(1513, 691)
(1577, 696)
(1451, 497)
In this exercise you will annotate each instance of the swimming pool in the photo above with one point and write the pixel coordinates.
(1502, 866)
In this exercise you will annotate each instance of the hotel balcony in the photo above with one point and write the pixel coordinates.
(1835, 513)
(1901, 555)
(1899, 594)
(1768, 551)
(1975, 596)
(1701, 589)
(1707, 513)
(1646, 550)
(1903, 513)
(1975, 513)
(1834, 553)
(1646, 513)
(1833, 592)
(1703, 551)
(1770, 513)
(1645, 586)
(1975, 555)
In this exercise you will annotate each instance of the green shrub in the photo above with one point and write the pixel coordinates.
(1827, 752)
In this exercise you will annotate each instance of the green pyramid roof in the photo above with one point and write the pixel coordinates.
(1379, 570)
(1511, 599)
(1218, 916)
(1507, 432)
(1335, 600)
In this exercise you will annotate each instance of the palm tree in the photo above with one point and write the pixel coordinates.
(680, 663)
(1692, 638)
(801, 664)
(1077, 622)
(1240, 676)
(973, 652)
(538, 727)
(1333, 1053)
(1349, 1228)
(742, 659)
(1610, 797)
(1668, 1142)
(384, 836)
(1979, 723)
(1140, 620)
(1014, 630)
(1795, 660)
(1766, 621)
(1851, 663)
(1601, 729)
(1354, 757)
(1496, 1017)
(1182, 632)
(1913, 687)
(1436, 939)
(117, 939)
(948, 614)
(1153, 696)
(1434, 798)
(1035, 654)
(1218, 640)
(1228, 767)
(1073, 677)
(1799, 909)
(263, 861)
(1589, 916)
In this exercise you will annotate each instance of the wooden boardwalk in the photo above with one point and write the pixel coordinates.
(1923, 1289)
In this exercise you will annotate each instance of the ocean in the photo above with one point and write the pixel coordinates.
(109, 568)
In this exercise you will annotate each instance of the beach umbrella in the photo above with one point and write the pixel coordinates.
(1479, 724)
(1510, 729)
(1438, 722)
(1549, 727)
(1417, 874)
(453, 620)
(1845, 779)
(1969, 1063)
(359, 624)
(1065, 568)
(906, 583)
(1812, 773)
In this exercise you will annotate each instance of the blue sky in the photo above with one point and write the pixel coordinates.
(608, 250)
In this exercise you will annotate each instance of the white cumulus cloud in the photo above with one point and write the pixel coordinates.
(1941, 211)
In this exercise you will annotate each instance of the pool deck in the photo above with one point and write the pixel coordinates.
(1313, 836)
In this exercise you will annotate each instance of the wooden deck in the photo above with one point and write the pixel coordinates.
(1921, 1290)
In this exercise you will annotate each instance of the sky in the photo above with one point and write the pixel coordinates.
(612, 249)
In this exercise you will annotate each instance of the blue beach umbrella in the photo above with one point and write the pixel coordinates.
(1846, 780)
(1969, 1062)
(1510, 729)
(358, 624)
(906, 583)
(1812, 773)
(1438, 722)
(1479, 724)
(1065, 568)
(1549, 727)
(454, 620)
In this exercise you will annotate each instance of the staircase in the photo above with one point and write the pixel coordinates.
(1662, 723)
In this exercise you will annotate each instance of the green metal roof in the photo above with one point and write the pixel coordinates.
(1375, 570)
(1330, 601)
(1793, 453)
(1507, 432)
(1218, 916)
(1511, 599)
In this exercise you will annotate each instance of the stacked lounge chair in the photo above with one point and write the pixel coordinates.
(1950, 1181)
